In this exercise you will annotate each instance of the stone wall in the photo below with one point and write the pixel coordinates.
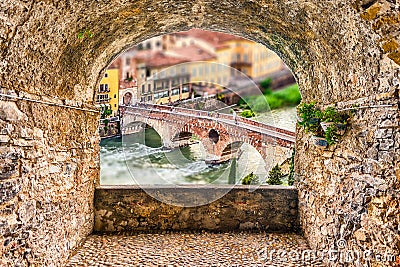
(130, 208)
(349, 192)
(340, 51)
(48, 165)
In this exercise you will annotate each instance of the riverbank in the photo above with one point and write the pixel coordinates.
(287, 97)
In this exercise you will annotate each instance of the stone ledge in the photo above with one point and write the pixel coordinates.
(130, 208)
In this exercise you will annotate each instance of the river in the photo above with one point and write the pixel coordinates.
(139, 159)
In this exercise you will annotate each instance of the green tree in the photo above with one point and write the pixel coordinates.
(291, 169)
(106, 112)
(275, 176)
(266, 85)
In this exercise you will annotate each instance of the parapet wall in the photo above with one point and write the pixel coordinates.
(130, 208)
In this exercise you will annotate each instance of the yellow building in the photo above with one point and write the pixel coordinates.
(107, 93)
(254, 59)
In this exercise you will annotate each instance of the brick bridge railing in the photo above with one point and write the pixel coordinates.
(170, 122)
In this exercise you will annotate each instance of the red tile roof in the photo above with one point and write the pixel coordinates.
(160, 59)
(192, 53)
(216, 39)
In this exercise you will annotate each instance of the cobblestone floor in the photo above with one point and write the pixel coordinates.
(192, 249)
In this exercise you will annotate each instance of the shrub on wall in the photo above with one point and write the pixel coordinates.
(250, 179)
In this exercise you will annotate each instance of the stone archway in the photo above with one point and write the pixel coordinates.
(341, 52)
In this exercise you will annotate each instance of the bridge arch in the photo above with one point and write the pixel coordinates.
(342, 53)
(250, 158)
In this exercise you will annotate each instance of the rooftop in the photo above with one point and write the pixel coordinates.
(216, 39)
(160, 59)
(192, 53)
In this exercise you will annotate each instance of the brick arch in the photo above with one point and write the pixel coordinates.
(256, 147)
(156, 126)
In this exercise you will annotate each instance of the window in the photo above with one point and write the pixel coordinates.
(163, 94)
(103, 88)
(115, 96)
(105, 75)
(142, 88)
(185, 89)
(158, 43)
(149, 98)
(102, 98)
(246, 58)
(148, 46)
(115, 105)
(127, 61)
(194, 72)
(175, 92)
(149, 88)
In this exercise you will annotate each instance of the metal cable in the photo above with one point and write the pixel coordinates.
(47, 103)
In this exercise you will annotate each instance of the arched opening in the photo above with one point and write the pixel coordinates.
(249, 167)
(201, 79)
(347, 58)
(213, 135)
(127, 99)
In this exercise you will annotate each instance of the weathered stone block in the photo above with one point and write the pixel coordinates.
(10, 112)
(4, 139)
(9, 189)
(26, 211)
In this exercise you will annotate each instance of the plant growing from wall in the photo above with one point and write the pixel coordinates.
(309, 117)
(249, 179)
(275, 176)
(326, 126)
(85, 33)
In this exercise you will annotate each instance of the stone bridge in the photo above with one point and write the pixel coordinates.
(343, 53)
(219, 133)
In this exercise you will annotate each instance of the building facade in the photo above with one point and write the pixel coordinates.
(108, 92)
